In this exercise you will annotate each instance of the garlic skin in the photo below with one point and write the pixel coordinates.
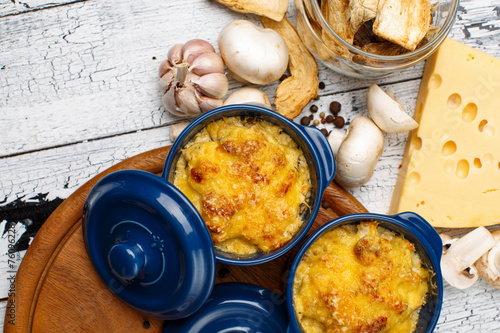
(249, 95)
(253, 54)
(192, 79)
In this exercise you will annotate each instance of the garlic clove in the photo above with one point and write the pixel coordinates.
(206, 63)
(208, 103)
(213, 85)
(186, 100)
(194, 48)
(248, 95)
(168, 100)
(166, 79)
(164, 68)
(174, 55)
(176, 129)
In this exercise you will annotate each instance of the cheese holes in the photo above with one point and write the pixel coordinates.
(449, 148)
(477, 163)
(487, 159)
(435, 81)
(486, 128)
(462, 169)
(417, 143)
(449, 166)
(469, 112)
(414, 178)
(454, 101)
(482, 124)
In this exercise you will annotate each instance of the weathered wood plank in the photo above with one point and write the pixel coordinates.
(61, 171)
(13, 7)
(89, 69)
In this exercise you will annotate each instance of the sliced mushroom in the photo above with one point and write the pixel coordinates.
(387, 112)
(488, 266)
(458, 260)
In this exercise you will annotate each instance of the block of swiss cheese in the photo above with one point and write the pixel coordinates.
(450, 172)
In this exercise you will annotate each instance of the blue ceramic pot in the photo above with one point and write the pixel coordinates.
(311, 141)
(415, 229)
(236, 307)
(148, 244)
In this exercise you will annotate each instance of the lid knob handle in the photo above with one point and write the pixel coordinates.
(126, 260)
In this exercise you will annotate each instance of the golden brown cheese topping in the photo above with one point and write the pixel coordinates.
(248, 179)
(361, 278)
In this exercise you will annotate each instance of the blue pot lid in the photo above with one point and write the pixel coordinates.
(236, 307)
(149, 244)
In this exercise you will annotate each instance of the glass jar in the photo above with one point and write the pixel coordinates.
(344, 58)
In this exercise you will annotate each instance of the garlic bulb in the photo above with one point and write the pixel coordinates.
(253, 54)
(192, 79)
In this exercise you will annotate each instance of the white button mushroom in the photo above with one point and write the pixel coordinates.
(488, 266)
(335, 139)
(359, 152)
(387, 112)
(457, 263)
(253, 54)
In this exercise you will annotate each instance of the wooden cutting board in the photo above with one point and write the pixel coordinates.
(58, 290)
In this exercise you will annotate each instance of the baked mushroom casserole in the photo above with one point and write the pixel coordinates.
(360, 278)
(249, 180)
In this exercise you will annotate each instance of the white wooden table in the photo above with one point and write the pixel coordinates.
(78, 94)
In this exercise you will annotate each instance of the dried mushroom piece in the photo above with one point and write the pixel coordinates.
(273, 9)
(361, 11)
(364, 35)
(403, 22)
(384, 48)
(336, 13)
(301, 86)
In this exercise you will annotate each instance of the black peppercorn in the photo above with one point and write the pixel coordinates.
(335, 107)
(305, 121)
(339, 122)
(329, 119)
(321, 85)
(313, 108)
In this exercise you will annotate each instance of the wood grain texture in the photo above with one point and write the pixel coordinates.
(78, 95)
(56, 272)
(85, 70)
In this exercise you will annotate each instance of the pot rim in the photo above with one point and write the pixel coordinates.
(431, 243)
(312, 138)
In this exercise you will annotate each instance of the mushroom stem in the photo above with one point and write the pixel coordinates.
(458, 261)
(488, 266)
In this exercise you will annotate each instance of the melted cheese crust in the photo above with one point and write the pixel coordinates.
(249, 181)
(360, 279)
